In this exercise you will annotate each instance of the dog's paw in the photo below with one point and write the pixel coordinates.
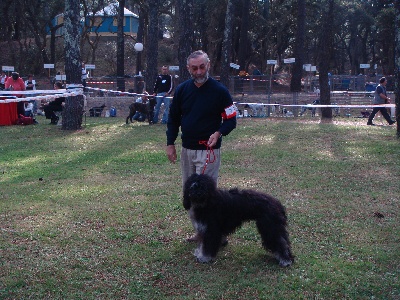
(204, 259)
(200, 257)
(196, 252)
(224, 241)
(285, 263)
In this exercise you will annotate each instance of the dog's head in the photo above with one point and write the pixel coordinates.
(199, 190)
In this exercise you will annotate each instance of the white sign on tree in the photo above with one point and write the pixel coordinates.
(8, 68)
(289, 60)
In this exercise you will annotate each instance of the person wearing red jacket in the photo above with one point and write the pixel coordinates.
(15, 83)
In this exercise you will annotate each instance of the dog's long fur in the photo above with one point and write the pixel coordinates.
(145, 108)
(217, 213)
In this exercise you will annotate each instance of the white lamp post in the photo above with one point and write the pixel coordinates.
(139, 48)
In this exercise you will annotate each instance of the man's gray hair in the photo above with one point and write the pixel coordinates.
(196, 54)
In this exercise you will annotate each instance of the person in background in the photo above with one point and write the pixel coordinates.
(15, 83)
(380, 97)
(54, 79)
(3, 79)
(30, 85)
(84, 75)
(28, 109)
(256, 71)
(162, 90)
(317, 91)
(55, 105)
(139, 116)
(203, 110)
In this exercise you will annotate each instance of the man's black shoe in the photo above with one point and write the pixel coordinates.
(372, 124)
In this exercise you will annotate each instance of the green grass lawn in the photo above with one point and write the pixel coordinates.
(97, 213)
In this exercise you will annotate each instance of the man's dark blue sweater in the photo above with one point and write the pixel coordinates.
(200, 112)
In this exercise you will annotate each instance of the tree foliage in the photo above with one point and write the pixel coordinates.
(363, 32)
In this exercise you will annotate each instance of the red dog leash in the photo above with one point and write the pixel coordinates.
(210, 155)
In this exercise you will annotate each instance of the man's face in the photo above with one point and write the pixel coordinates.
(164, 70)
(198, 69)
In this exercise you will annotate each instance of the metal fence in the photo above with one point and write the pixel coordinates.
(263, 84)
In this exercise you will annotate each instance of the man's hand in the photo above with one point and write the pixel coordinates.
(171, 153)
(212, 141)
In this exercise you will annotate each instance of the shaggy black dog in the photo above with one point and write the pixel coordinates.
(217, 213)
(145, 108)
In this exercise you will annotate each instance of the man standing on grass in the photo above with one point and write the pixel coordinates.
(380, 97)
(162, 90)
(204, 110)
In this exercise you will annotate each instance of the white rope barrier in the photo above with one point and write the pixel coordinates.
(32, 92)
(256, 103)
(50, 95)
(320, 105)
(340, 105)
(77, 90)
(119, 93)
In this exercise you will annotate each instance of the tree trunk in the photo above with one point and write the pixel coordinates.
(295, 83)
(243, 54)
(139, 39)
(185, 36)
(227, 43)
(325, 56)
(120, 48)
(397, 65)
(152, 45)
(72, 113)
(71, 42)
(53, 45)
